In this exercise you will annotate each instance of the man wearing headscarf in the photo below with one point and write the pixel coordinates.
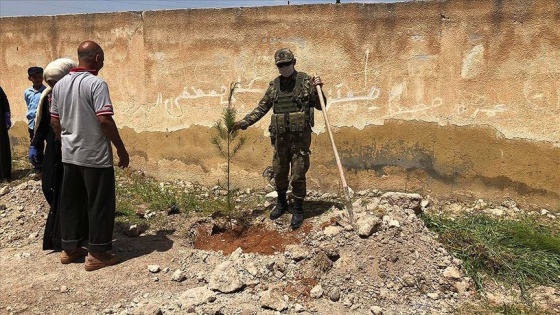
(52, 162)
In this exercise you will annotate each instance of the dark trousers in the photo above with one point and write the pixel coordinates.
(87, 203)
(291, 153)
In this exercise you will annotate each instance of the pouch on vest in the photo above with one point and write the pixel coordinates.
(296, 121)
(278, 123)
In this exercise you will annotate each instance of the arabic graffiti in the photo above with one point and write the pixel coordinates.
(472, 104)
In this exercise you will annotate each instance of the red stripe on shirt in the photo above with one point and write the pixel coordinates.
(104, 112)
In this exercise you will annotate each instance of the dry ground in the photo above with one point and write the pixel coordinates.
(325, 267)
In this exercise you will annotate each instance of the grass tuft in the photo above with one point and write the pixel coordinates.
(139, 193)
(518, 252)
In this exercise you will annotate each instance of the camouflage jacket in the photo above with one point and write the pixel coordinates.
(268, 99)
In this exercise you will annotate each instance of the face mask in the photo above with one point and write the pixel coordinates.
(286, 72)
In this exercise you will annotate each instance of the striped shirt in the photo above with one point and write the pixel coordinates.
(77, 100)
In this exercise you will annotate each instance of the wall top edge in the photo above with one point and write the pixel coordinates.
(268, 7)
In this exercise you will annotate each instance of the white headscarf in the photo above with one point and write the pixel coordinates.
(55, 70)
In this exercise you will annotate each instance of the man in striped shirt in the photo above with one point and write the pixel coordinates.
(81, 115)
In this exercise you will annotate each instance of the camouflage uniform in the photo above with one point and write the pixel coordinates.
(292, 100)
(292, 97)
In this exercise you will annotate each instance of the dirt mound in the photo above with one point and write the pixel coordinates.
(251, 239)
(388, 262)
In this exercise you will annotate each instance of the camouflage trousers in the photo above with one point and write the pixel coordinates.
(291, 153)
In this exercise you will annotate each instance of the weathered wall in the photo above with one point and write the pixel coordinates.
(452, 98)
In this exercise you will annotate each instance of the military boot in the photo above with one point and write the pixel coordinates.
(280, 208)
(297, 215)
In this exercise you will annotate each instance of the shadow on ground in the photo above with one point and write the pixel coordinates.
(315, 208)
(20, 174)
(311, 208)
(133, 247)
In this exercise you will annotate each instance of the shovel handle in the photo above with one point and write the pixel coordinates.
(337, 158)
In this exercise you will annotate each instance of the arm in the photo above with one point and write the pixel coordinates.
(44, 124)
(109, 128)
(55, 123)
(314, 96)
(264, 106)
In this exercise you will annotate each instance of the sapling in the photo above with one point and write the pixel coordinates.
(228, 142)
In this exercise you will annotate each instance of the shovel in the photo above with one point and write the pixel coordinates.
(337, 158)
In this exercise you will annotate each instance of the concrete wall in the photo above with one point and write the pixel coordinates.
(456, 98)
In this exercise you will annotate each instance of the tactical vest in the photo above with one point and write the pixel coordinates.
(291, 110)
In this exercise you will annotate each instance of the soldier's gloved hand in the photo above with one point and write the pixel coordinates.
(317, 81)
(238, 125)
(8, 120)
(33, 156)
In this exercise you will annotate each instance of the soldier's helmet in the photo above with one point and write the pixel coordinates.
(283, 55)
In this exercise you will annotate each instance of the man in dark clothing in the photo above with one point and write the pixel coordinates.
(5, 124)
(292, 97)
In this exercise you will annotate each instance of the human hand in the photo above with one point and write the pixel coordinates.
(317, 81)
(33, 156)
(238, 125)
(123, 158)
(8, 120)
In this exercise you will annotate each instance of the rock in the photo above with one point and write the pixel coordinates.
(332, 253)
(271, 196)
(433, 295)
(425, 204)
(452, 272)
(350, 192)
(509, 203)
(251, 268)
(403, 200)
(133, 230)
(376, 310)
(151, 308)
(173, 210)
(299, 308)
(316, 292)
(154, 268)
(366, 226)
(178, 276)
(334, 294)
(394, 224)
(22, 186)
(332, 230)
(197, 296)
(225, 278)
(409, 280)
(273, 299)
(322, 262)
(236, 254)
(4, 190)
(63, 289)
(357, 206)
(496, 211)
(296, 252)
(462, 286)
(372, 205)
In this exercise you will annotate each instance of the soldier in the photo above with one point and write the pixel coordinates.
(292, 97)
